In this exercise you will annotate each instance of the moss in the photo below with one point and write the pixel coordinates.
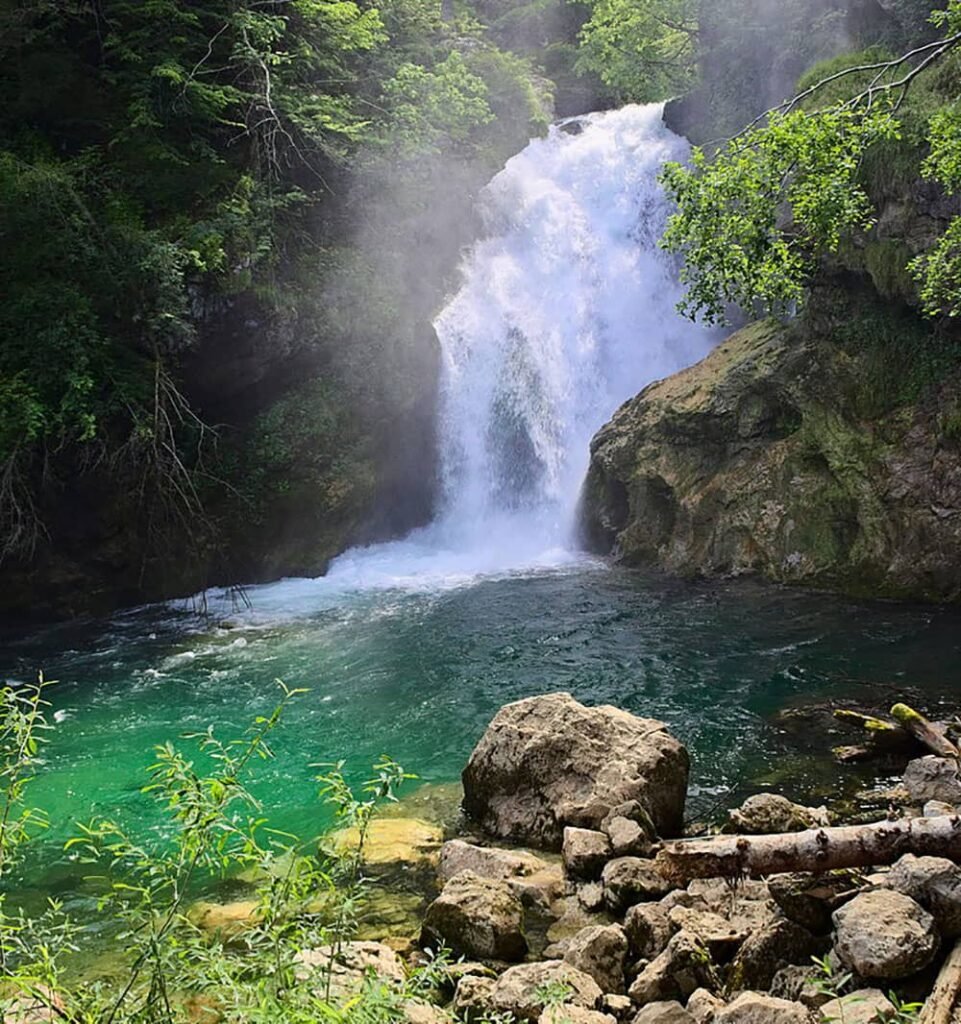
(886, 261)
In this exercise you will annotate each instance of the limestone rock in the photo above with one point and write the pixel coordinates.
(568, 1014)
(935, 883)
(226, 920)
(548, 761)
(472, 997)
(630, 880)
(600, 952)
(519, 989)
(809, 900)
(591, 896)
(627, 837)
(754, 1008)
(866, 1006)
(766, 951)
(768, 813)
(796, 983)
(664, 1013)
(617, 1005)
(487, 861)
(933, 778)
(648, 929)
(477, 917)
(394, 842)
(419, 1011)
(585, 852)
(721, 937)
(885, 935)
(704, 1006)
(682, 967)
(349, 966)
(938, 809)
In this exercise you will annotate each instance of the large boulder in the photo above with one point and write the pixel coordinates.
(534, 881)
(885, 935)
(630, 880)
(601, 952)
(933, 778)
(477, 917)
(767, 950)
(523, 990)
(935, 883)
(549, 761)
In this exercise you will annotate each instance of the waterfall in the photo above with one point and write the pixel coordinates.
(566, 308)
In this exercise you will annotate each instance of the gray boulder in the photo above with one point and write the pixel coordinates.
(477, 917)
(683, 967)
(585, 852)
(600, 952)
(754, 1008)
(767, 813)
(520, 990)
(568, 1014)
(648, 929)
(664, 1013)
(630, 880)
(933, 778)
(809, 900)
(472, 997)
(935, 883)
(866, 1006)
(704, 1006)
(885, 935)
(766, 951)
(549, 761)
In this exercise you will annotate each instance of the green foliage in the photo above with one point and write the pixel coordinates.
(643, 52)
(730, 227)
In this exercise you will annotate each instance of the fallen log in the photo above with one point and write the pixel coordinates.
(931, 735)
(939, 1005)
(816, 849)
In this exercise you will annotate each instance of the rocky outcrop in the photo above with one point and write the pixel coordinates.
(783, 454)
(548, 762)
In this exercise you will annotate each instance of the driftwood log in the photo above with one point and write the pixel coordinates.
(939, 1005)
(932, 736)
(817, 849)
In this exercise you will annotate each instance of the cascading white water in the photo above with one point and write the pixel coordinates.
(567, 308)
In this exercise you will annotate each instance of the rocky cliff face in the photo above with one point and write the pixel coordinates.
(802, 453)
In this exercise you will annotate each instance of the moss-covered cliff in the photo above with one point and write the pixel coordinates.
(826, 452)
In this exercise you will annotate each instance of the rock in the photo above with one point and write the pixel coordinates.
(585, 852)
(768, 813)
(717, 894)
(42, 1006)
(591, 896)
(419, 1011)
(627, 837)
(756, 461)
(809, 900)
(753, 1008)
(866, 1006)
(774, 946)
(548, 761)
(472, 997)
(630, 880)
(933, 778)
(938, 809)
(226, 920)
(617, 1005)
(721, 937)
(935, 883)
(534, 881)
(570, 917)
(567, 1014)
(664, 1013)
(477, 917)
(704, 1006)
(349, 966)
(648, 929)
(519, 990)
(600, 952)
(885, 935)
(797, 984)
(682, 967)
(394, 842)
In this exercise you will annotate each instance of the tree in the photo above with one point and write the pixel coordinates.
(754, 218)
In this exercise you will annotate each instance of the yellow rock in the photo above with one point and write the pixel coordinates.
(228, 920)
(394, 841)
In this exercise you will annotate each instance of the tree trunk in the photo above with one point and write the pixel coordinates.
(931, 735)
(817, 849)
(938, 1005)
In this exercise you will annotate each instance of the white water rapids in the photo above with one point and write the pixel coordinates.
(566, 309)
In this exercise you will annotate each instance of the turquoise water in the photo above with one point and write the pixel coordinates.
(419, 673)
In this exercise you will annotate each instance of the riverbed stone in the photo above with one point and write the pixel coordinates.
(519, 990)
(456, 856)
(630, 880)
(226, 921)
(349, 966)
(549, 761)
(767, 950)
(648, 929)
(768, 813)
(390, 843)
(933, 778)
(477, 917)
(885, 934)
(935, 883)
(585, 852)
(601, 952)
(670, 1012)
(865, 1006)
(681, 968)
(755, 1008)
